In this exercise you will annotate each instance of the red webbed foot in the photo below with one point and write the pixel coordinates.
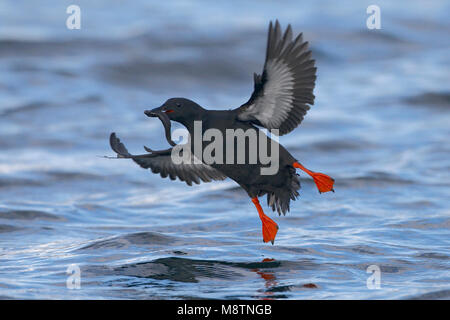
(323, 182)
(269, 227)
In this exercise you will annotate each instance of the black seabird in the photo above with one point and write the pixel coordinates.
(282, 95)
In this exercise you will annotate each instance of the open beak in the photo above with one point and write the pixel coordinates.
(152, 113)
(161, 113)
(156, 111)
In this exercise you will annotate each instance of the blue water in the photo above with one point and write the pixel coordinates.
(380, 127)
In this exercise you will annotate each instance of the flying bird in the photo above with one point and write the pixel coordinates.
(282, 95)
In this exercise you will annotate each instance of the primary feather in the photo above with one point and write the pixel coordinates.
(284, 91)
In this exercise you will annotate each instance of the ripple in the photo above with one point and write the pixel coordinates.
(192, 270)
(432, 99)
(292, 287)
(337, 145)
(140, 238)
(7, 228)
(424, 224)
(374, 179)
(71, 175)
(179, 269)
(434, 255)
(441, 294)
(28, 107)
(29, 215)
(18, 182)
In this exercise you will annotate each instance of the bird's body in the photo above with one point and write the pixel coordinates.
(279, 102)
(280, 187)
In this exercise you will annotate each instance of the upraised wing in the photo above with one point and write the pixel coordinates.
(161, 162)
(282, 93)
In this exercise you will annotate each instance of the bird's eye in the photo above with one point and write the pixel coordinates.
(178, 105)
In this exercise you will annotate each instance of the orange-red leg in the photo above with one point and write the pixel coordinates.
(323, 182)
(269, 227)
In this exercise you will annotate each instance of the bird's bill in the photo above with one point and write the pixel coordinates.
(161, 113)
(156, 111)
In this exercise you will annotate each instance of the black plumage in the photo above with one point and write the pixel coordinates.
(281, 97)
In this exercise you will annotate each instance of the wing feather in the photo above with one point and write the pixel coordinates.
(162, 163)
(284, 91)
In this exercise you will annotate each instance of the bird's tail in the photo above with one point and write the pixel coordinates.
(280, 199)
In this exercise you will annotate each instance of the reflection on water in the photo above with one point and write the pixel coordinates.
(379, 126)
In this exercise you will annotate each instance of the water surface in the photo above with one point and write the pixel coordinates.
(380, 127)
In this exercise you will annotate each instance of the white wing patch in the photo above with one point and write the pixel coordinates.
(285, 88)
(277, 99)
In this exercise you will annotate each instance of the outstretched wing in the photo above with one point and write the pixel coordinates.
(282, 93)
(161, 162)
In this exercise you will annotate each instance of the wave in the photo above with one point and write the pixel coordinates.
(133, 239)
(28, 215)
(431, 99)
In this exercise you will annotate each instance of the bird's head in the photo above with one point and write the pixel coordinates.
(178, 109)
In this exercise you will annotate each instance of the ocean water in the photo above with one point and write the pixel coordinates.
(380, 127)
